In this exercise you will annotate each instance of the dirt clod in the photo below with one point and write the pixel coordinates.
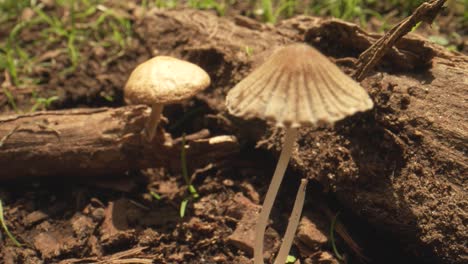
(309, 234)
(47, 244)
(35, 218)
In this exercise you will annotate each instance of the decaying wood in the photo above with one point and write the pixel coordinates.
(90, 142)
(401, 167)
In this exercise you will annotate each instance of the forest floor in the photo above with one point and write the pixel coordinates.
(58, 57)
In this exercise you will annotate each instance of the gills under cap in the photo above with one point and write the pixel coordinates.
(164, 80)
(297, 86)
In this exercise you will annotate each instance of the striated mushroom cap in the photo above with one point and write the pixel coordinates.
(164, 80)
(297, 86)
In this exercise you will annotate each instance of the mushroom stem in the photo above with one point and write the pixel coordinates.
(293, 224)
(153, 121)
(290, 138)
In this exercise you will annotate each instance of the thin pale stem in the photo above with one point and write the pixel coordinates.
(153, 121)
(293, 223)
(290, 138)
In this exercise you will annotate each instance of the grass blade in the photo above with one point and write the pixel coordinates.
(332, 237)
(155, 195)
(183, 161)
(183, 207)
(5, 228)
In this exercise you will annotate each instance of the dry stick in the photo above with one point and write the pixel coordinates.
(293, 223)
(369, 58)
(290, 138)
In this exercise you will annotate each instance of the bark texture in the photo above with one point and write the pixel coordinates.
(95, 142)
(402, 166)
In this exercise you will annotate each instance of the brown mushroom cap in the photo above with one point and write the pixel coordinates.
(297, 86)
(164, 80)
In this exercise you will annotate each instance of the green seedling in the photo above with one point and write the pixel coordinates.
(183, 207)
(42, 103)
(416, 26)
(5, 228)
(155, 195)
(332, 237)
(248, 50)
(187, 179)
(191, 188)
(108, 98)
(290, 259)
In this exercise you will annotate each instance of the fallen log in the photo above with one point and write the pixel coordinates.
(401, 167)
(96, 142)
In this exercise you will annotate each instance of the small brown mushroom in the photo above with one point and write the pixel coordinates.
(297, 86)
(163, 80)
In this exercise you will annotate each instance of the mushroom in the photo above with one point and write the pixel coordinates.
(160, 81)
(296, 86)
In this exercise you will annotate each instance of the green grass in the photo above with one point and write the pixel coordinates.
(272, 11)
(72, 26)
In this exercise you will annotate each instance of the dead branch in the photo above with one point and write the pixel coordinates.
(90, 142)
(426, 12)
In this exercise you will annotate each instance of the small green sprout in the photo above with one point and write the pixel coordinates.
(42, 103)
(183, 207)
(248, 51)
(155, 195)
(290, 259)
(332, 237)
(5, 228)
(191, 188)
(416, 26)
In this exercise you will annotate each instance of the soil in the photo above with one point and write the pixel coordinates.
(116, 220)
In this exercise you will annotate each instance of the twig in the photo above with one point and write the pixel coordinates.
(426, 12)
(55, 113)
(124, 257)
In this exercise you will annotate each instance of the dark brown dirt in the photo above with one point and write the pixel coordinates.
(400, 201)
